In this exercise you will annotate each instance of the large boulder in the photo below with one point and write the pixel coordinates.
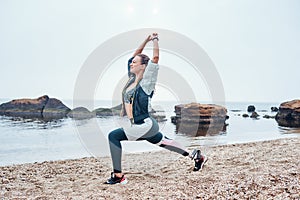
(27, 108)
(289, 114)
(42, 108)
(196, 119)
(55, 109)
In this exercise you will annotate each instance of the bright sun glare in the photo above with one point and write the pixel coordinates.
(155, 11)
(130, 8)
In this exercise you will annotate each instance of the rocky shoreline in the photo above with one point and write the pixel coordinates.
(194, 118)
(259, 170)
(46, 109)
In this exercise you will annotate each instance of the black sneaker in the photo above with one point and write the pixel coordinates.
(200, 160)
(194, 153)
(114, 180)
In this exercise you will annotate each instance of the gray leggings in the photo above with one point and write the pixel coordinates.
(116, 136)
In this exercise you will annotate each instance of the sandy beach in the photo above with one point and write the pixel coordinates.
(260, 170)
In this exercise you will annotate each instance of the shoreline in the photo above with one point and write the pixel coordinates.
(267, 169)
(150, 149)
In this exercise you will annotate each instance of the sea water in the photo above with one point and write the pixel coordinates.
(26, 141)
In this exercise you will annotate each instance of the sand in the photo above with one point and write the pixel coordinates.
(260, 170)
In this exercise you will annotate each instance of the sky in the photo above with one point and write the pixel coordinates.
(254, 44)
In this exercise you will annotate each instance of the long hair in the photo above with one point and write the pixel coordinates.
(129, 82)
(144, 60)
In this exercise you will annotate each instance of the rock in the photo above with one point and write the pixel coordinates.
(289, 114)
(251, 108)
(159, 116)
(27, 108)
(268, 116)
(174, 119)
(196, 119)
(81, 113)
(115, 111)
(41, 108)
(55, 109)
(106, 112)
(274, 109)
(254, 115)
(245, 115)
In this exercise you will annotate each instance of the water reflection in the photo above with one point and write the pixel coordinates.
(287, 130)
(31, 123)
(201, 129)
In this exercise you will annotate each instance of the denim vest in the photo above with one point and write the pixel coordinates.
(144, 91)
(140, 105)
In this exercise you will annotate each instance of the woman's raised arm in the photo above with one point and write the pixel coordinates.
(142, 46)
(155, 48)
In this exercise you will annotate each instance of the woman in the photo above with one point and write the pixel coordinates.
(136, 97)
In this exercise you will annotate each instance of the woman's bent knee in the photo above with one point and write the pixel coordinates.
(156, 139)
(117, 134)
(111, 136)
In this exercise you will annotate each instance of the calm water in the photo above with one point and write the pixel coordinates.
(24, 141)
